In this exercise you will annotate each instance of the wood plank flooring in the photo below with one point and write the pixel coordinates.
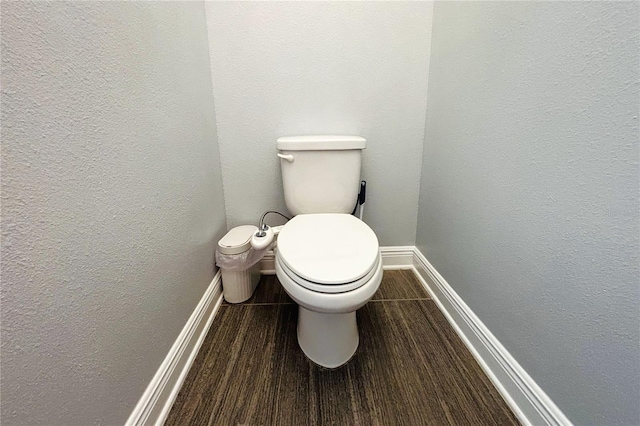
(410, 368)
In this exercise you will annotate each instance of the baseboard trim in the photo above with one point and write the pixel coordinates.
(393, 257)
(397, 257)
(528, 401)
(268, 263)
(156, 401)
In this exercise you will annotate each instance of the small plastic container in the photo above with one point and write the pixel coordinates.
(238, 282)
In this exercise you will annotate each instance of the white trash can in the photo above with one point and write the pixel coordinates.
(237, 261)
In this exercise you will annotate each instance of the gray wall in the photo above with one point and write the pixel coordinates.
(111, 201)
(322, 67)
(529, 196)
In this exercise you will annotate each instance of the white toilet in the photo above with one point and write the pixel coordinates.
(327, 260)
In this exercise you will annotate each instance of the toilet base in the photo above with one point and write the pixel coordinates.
(329, 340)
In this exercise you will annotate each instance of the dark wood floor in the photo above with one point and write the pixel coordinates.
(410, 369)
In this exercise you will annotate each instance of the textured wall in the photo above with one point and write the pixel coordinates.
(322, 67)
(529, 197)
(111, 201)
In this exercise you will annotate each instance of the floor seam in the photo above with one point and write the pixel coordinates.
(282, 304)
(258, 304)
(400, 300)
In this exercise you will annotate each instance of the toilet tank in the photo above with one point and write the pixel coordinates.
(320, 174)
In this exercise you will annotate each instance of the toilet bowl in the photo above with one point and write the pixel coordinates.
(330, 265)
(327, 260)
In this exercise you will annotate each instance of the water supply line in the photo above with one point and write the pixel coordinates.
(265, 234)
(262, 227)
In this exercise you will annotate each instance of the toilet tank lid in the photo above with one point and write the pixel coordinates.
(320, 143)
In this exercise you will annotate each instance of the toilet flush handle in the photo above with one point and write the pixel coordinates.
(287, 157)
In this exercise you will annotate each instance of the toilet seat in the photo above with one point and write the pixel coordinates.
(329, 303)
(323, 251)
(327, 288)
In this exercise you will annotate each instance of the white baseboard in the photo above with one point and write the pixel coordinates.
(156, 401)
(528, 401)
(397, 257)
(393, 257)
(267, 264)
